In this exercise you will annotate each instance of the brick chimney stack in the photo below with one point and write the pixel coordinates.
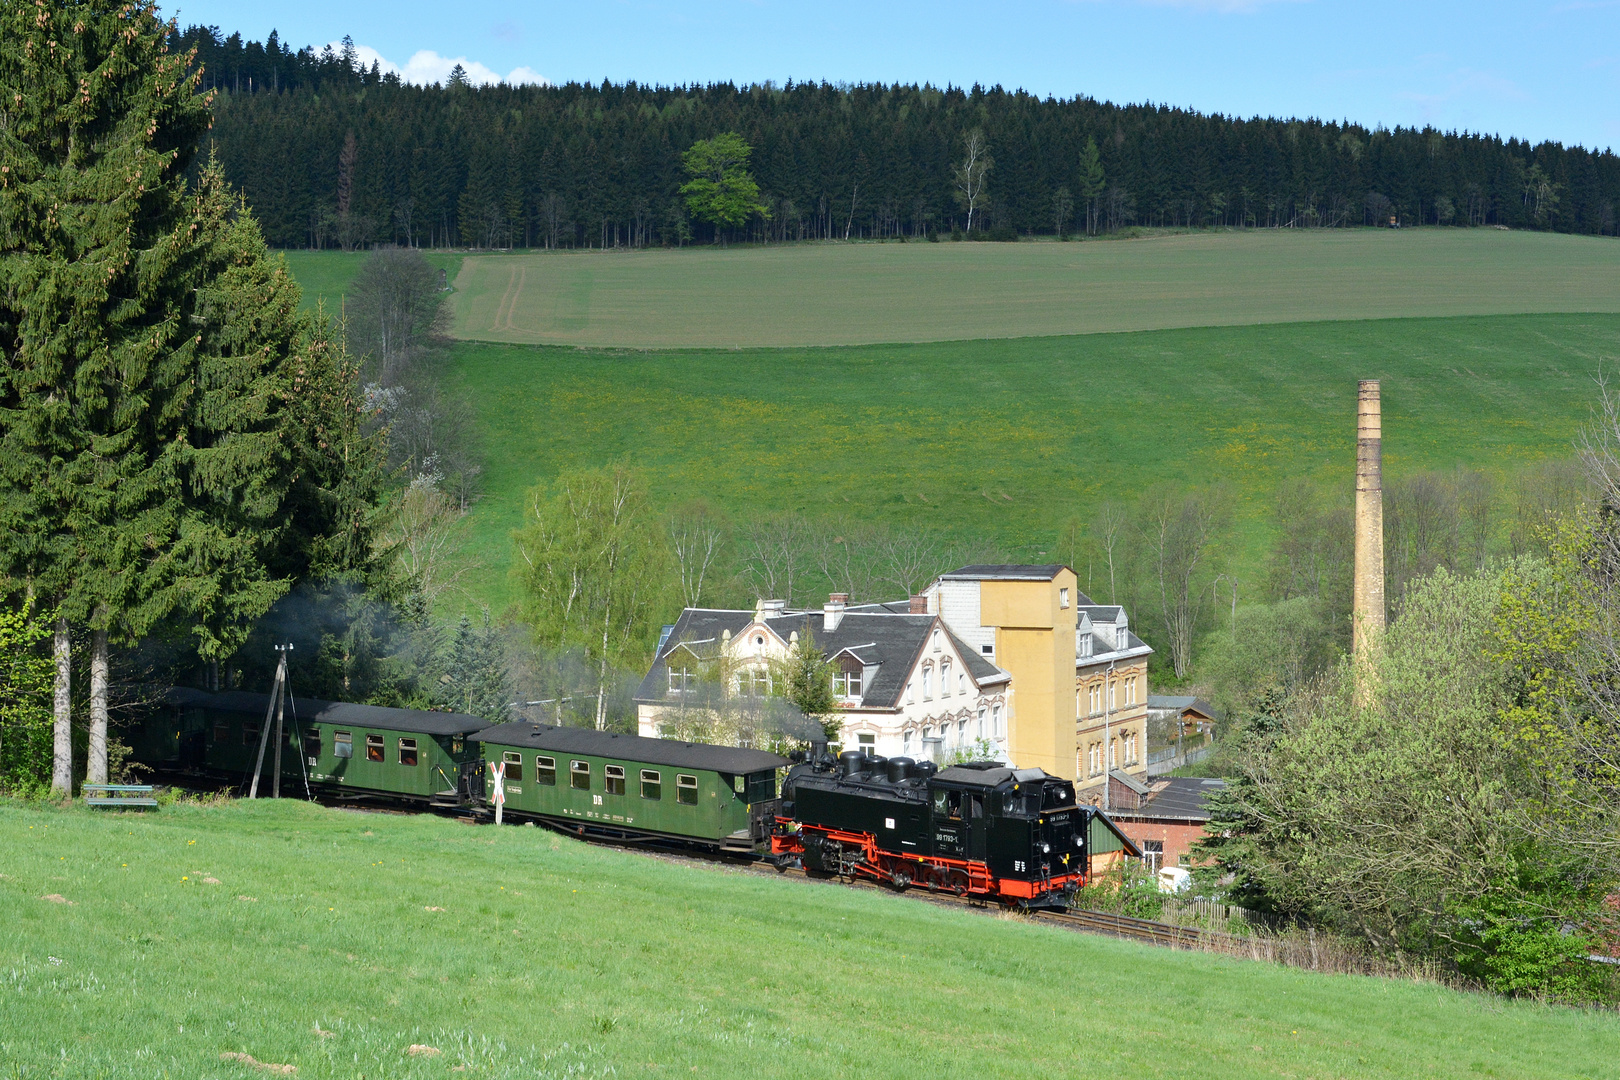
(1368, 624)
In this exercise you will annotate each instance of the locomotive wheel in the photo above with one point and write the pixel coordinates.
(957, 882)
(900, 881)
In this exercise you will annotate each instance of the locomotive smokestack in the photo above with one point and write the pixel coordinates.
(1368, 617)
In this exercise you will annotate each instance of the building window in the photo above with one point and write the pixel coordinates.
(868, 743)
(995, 719)
(613, 779)
(1113, 694)
(961, 733)
(945, 678)
(936, 640)
(652, 784)
(514, 766)
(342, 744)
(680, 680)
(1130, 748)
(981, 721)
(1113, 754)
(911, 691)
(928, 682)
(847, 684)
(905, 743)
(545, 771)
(1153, 853)
(407, 751)
(961, 682)
(579, 775)
(988, 650)
(1063, 598)
(686, 790)
(1085, 645)
(374, 748)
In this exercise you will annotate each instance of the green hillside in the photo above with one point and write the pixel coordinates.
(845, 294)
(333, 941)
(1006, 439)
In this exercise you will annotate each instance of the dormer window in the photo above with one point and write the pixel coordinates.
(681, 679)
(847, 684)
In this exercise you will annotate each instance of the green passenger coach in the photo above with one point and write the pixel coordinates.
(337, 748)
(626, 787)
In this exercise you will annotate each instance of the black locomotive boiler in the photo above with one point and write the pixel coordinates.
(979, 830)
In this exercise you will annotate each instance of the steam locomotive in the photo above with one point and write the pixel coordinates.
(980, 829)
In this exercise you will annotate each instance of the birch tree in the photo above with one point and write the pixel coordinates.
(592, 569)
(969, 174)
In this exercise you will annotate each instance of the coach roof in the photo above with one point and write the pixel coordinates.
(631, 748)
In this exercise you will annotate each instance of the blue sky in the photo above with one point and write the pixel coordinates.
(1544, 70)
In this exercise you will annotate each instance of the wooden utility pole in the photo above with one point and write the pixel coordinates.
(278, 694)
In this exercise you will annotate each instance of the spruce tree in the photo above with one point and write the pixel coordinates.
(159, 447)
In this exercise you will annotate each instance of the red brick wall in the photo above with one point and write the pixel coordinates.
(1177, 838)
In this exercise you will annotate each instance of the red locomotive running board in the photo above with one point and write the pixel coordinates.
(962, 876)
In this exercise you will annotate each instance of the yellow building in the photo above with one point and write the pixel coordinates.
(1035, 624)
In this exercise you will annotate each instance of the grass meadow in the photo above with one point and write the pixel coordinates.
(325, 276)
(850, 294)
(1005, 440)
(149, 946)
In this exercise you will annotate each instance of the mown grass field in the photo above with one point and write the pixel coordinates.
(847, 294)
(1005, 440)
(333, 941)
(325, 276)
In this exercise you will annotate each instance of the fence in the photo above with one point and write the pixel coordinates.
(1168, 760)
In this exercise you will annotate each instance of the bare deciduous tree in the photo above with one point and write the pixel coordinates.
(969, 174)
(427, 534)
(697, 535)
(1178, 533)
(774, 550)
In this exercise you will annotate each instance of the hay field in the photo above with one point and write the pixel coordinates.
(845, 294)
(334, 941)
(1003, 441)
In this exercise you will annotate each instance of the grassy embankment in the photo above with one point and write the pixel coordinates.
(333, 941)
(1005, 439)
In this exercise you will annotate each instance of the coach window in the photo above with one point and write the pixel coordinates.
(545, 771)
(613, 781)
(374, 748)
(579, 775)
(407, 751)
(514, 766)
(652, 785)
(312, 746)
(222, 730)
(342, 744)
(250, 733)
(686, 789)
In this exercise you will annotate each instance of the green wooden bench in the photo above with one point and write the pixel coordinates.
(127, 796)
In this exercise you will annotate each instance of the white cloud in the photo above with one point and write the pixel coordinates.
(427, 66)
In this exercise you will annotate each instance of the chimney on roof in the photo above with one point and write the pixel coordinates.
(919, 605)
(833, 613)
(770, 609)
(1368, 619)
